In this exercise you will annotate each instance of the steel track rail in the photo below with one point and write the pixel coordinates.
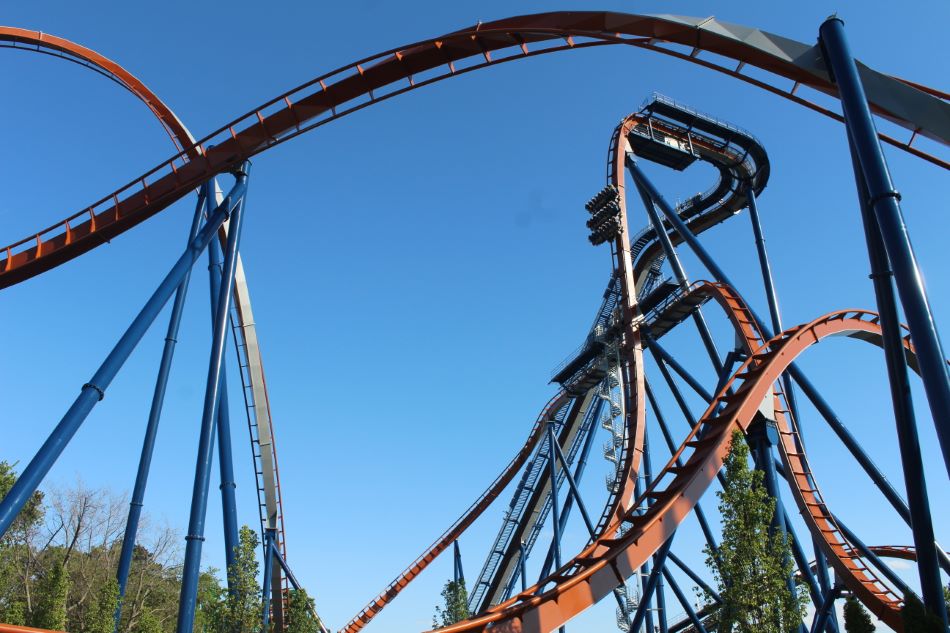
(592, 574)
(379, 77)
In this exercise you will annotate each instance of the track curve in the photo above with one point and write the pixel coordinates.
(379, 77)
(676, 489)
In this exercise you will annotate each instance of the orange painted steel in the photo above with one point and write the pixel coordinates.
(592, 574)
(461, 524)
(12, 628)
(377, 78)
(38, 41)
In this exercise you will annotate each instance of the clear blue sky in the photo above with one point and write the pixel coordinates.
(418, 268)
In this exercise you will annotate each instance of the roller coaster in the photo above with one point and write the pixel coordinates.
(602, 386)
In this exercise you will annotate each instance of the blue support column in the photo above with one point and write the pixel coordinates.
(657, 350)
(695, 578)
(151, 427)
(698, 510)
(578, 474)
(647, 482)
(763, 436)
(874, 559)
(523, 565)
(457, 574)
(223, 422)
(826, 610)
(650, 586)
(883, 202)
(915, 480)
(684, 602)
(94, 390)
(555, 513)
(199, 499)
(673, 258)
(268, 573)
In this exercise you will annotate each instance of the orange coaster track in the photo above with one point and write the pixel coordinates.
(383, 76)
(610, 558)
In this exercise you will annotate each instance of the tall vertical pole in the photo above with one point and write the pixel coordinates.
(578, 473)
(763, 436)
(771, 296)
(921, 521)
(199, 499)
(268, 573)
(223, 423)
(94, 391)
(458, 574)
(523, 563)
(883, 201)
(678, 270)
(555, 518)
(647, 482)
(151, 427)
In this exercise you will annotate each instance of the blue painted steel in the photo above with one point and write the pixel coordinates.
(151, 427)
(684, 601)
(523, 564)
(646, 601)
(199, 498)
(94, 390)
(574, 490)
(874, 559)
(647, 482)
(807, 387)
(650, 586)
(458, 574)
(673, 258)
(578, 474)
(814, 589)
(698, 509)
(763, 436)
(225, 461)
(883, 201)
(915, 481)
(656, 348)
(555, 518)
(712, 593)
(776, 317)
(268, 572)
(826, 609)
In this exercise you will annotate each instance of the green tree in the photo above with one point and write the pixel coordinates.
(300, 615)
(918, 619)
(17, 555)
(242, 609)
(100, 617)
(456, 604)
(754, 561)
(51, 592)
(856, 619)
(209, 615)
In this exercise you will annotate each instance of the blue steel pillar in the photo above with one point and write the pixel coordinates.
(776, 317)
(223, 422)
(94, 390)
(763, 436)
(199, 499)
(914, 478)
(673, 258)
(269, 535)
(883, 201)
(458, 574)
(151, 427)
